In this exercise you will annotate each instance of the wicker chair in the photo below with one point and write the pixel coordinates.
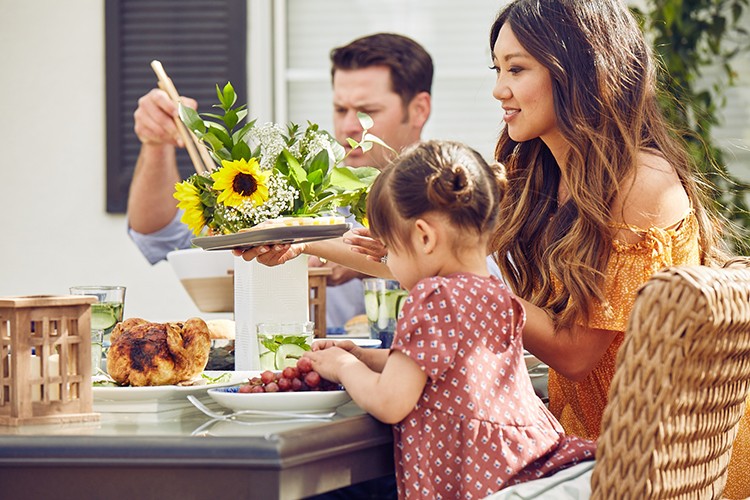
(679, 388)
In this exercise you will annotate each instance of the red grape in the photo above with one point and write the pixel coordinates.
(304, 365)
(312, 379)
(268, 376)
(296, 384)
(295, 379)
(285, 384)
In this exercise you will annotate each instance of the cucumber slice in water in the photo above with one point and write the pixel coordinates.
(392, 299)
(400, 304)
(371, 306)
(102, 319)
(268, 360)
(287, 355)
(384, 314)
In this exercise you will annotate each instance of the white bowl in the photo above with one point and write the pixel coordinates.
(207, 276)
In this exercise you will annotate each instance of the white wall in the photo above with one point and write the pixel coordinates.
(54, 228)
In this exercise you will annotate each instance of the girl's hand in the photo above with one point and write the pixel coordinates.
(330, 361)
(361, 242)
(346, 345)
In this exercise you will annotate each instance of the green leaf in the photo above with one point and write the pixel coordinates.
(315, 178)
(214, 142)
(377, 140)
(231, 119)
(241, 151)
(365, 120)
(319, 163)
(346, 178)
(218, 118)
(352, 143)
(221, 134)
(191, 119)
(224, 377)
(270, 344)
(227, 96)
(365, 146)
(239, 136)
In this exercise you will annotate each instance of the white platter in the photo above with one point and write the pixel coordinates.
(303, 402)
(156, 398)
(368, 343)
(271, 236)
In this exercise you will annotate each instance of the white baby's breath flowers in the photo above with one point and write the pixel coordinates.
(270, 138)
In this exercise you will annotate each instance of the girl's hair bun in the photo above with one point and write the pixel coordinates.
(450, 187)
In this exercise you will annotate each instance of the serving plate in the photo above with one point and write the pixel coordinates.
(157, 398)
(271, 236)
(303, 402)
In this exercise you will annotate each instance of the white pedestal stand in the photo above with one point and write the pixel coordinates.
(266, 294)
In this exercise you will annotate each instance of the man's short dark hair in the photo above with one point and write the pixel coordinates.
(410, 64)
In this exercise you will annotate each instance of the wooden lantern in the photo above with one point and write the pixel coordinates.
(45, 360)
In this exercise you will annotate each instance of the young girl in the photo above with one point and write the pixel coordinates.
(454, 383)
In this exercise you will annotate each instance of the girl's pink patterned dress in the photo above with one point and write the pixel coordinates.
(478, 426)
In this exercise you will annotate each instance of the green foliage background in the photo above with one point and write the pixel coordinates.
(690, 36)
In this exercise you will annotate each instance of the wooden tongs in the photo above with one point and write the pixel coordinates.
(196, 149)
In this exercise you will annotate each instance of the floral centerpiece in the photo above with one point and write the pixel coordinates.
(268, 171)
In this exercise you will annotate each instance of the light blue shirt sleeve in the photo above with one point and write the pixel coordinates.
(155, 246)
(347, 300)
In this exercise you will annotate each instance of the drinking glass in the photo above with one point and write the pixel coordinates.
(282, 344)
(383, 301)
(105, 314)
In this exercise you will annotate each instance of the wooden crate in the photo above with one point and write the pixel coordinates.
(45, 360)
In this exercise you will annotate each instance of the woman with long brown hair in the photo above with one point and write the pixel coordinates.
(602, 192)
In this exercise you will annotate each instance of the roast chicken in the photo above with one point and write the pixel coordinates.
(145, 354)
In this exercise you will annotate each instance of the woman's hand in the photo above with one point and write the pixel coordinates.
(361, 242)
(270, 255)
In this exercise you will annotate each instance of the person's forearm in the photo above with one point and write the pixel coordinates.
(337, 251)
(374, 359)
(572, 352)
(151, 204)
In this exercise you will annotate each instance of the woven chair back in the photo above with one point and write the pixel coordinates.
(679, 388)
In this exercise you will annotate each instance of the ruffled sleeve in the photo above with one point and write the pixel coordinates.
(426, 331)
(632, 264)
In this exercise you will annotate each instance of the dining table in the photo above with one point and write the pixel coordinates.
(184, 454)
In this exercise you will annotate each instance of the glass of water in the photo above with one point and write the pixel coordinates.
(383, 301)
(106, 312)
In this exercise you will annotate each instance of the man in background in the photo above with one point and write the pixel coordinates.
(385, 75)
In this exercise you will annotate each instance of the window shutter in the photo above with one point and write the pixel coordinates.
(201, 43)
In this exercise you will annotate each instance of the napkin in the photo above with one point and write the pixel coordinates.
(276, 294)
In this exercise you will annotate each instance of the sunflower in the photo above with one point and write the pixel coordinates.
(190, 201)
(241, 180)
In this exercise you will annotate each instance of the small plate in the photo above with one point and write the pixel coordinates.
(272, 236)
(367, 343)
(303, 402)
